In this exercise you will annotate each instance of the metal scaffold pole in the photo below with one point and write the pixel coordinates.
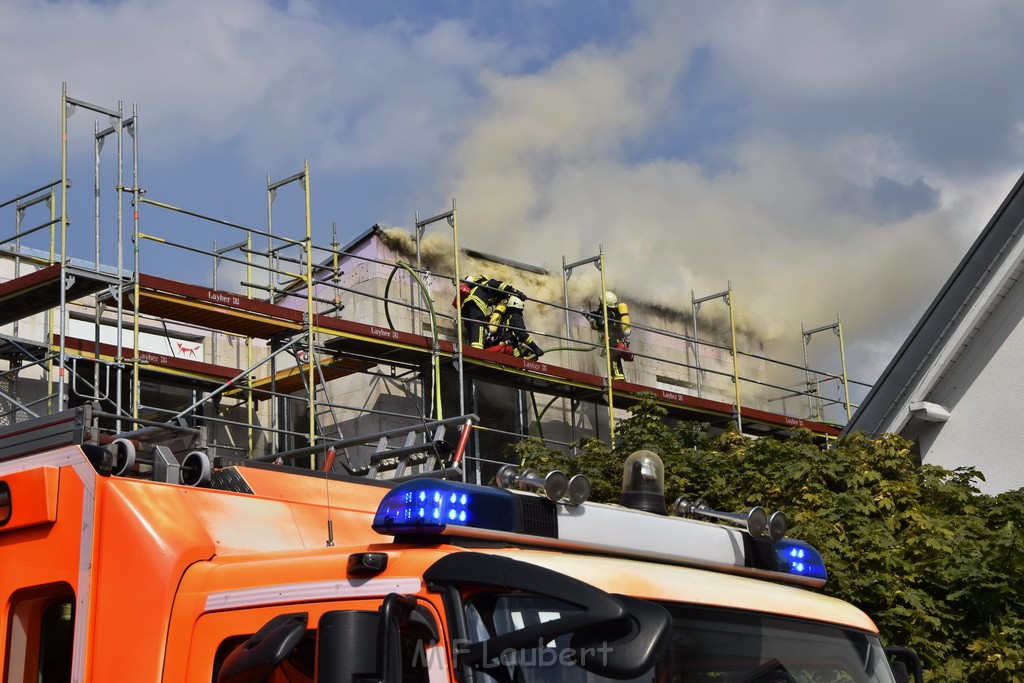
(567, 269)
(811, 388)
(64, 114)
(117, 127)
(727, 297)
(450, 217)
(837, 329)
(310, 310)
(607, 351)
(419, 230)
(694, 308)
(458, 310)
(275, 403)
(566, 274)
(250, 433)
(68, 107)
(136, 287)
(307, 276)
(842, 360)
(420, 226)
(424, 297)
(735, 359)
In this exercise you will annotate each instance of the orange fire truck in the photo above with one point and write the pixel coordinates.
(251, 571)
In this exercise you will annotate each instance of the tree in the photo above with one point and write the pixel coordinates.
(934, 562)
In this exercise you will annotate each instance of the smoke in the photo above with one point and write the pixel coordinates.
(542, 289)
(552, 297)
(842, 223)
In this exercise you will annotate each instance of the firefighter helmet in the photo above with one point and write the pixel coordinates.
(610, 299)
(514, 302)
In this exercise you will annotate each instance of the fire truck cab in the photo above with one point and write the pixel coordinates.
(270, 573)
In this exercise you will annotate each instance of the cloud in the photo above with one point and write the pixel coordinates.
(939, 76)
(281, 82)
(230, 92)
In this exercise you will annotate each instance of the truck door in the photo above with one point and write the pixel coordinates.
(218, 634)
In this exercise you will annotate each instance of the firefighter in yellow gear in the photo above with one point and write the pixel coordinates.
(511, 335)
(481, 297)
(618, 331)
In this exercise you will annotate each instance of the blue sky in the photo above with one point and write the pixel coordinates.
(825, 156)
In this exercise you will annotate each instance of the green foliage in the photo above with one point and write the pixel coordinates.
(936, 564)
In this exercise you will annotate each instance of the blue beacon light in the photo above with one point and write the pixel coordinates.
(800, 559)
(429, 506)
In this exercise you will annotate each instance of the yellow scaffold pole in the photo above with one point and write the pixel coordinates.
(607, 351)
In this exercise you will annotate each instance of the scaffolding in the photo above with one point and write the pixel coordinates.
(253, 369)
(814, 380)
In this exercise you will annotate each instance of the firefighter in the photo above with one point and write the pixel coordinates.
(511, 335)
(618, 331)
(481, 298)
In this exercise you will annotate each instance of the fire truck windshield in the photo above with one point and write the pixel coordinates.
(707, 645)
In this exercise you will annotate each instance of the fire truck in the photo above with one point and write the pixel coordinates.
(124, 561)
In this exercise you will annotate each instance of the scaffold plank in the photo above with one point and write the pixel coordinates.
(293, 379)
(213, 309)
(158, 361)
(40, 291)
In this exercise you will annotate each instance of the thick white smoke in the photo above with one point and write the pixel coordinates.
(800, 226)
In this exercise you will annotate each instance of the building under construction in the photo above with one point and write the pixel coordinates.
(341, 356)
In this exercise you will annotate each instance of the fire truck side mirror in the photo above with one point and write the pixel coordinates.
(906, 665)
(360, 645)
(348, 647)
(630, 651)
(256, 658)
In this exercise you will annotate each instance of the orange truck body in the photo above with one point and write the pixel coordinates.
(141, 559)
(108, 578)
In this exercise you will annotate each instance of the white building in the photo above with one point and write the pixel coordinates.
(954, 387)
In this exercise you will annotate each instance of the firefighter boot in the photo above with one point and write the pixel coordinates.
(617, 370)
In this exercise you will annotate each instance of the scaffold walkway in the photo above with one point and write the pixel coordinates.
(43, 290)
(355, 344)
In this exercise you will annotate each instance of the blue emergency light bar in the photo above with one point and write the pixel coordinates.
(427, 508)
